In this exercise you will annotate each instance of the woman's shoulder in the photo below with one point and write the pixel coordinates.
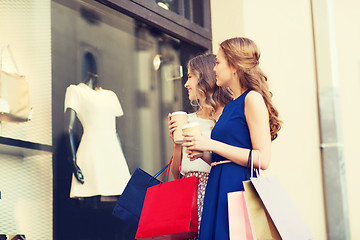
(254, 100)
(193, 117)
(254, 97)
(249, 99)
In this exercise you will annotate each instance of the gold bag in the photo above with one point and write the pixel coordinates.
(14, 95)
(263, 224)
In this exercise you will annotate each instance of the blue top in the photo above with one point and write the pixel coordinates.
(232, 129)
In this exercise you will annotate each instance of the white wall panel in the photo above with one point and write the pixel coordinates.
(347, 22)
(26, 182)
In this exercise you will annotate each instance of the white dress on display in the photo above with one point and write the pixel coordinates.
(99, 155)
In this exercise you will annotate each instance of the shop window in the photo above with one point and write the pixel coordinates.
(169, 5)
(144, 66)
(192, 10)
(88, 65)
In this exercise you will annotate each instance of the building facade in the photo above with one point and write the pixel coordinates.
(140, 50)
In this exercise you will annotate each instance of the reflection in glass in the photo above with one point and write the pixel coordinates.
(89, 65)
(169, 5)
(193, 10)
(143, 66)
(89, 36)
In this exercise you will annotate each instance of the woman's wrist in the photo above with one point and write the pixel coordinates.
(177, 146)
(215, 146)
(211, 146)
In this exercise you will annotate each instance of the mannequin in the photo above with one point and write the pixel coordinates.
(70, 117)
(99, 165)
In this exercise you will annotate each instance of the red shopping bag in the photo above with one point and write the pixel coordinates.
(170, 210)
(240, 224)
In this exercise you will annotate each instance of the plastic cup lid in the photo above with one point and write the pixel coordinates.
(189, 125)
(179, 113)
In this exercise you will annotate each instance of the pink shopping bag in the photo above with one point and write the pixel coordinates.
(240, 224)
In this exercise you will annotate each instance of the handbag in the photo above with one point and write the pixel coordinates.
(278, 207)
(130, 202)
(14, 94)
(170, 210)
(240, 224)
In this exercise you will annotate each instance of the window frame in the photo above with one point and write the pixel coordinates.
(167, 21)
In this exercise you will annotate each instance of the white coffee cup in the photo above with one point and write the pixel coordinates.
(181, 119)
(193, 128)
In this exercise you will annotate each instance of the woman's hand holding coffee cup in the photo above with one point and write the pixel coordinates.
(192, 156)
(191, 134)
(172, 126)
(176, 121)
(191, 148)
(195, 142)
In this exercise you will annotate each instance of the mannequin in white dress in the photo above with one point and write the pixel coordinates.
(99, 165)
(70, 117)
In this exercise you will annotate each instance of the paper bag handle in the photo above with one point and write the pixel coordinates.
(158, 173)
(11, 56)
(167, 171)
(251, 163)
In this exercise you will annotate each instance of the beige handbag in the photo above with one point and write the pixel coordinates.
(14, 94)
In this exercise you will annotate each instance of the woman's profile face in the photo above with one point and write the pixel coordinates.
(191, 85)
(224, 73)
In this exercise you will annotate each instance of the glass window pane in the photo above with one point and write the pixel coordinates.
(89, 64)
(143, 66)
(194, 11)
(171, 5)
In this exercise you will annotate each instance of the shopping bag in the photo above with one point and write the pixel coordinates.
(263, 224)
(240, 224)
(281, 209)
(281, 214)
(130, 203)
(14, 94)
(170, 210)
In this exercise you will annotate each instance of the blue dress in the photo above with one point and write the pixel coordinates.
(231, 129)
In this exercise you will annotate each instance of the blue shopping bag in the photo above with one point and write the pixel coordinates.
(130, 203)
